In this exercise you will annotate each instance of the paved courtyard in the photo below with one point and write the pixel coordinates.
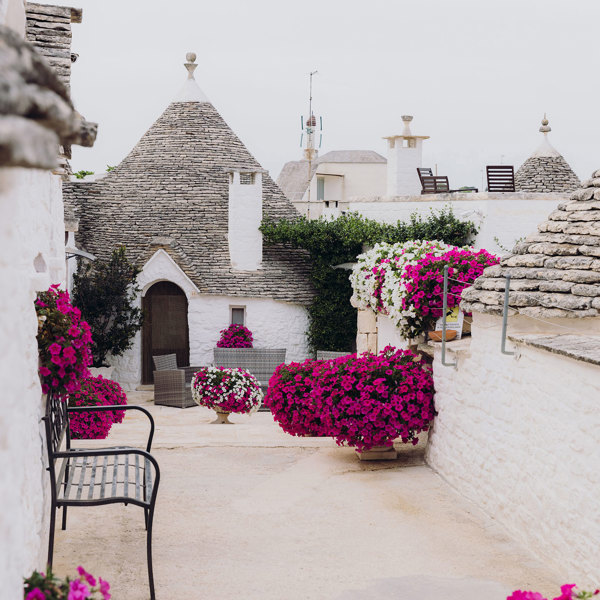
(246, 511)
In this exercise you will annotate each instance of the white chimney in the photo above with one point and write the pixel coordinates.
(405, 154)
(245, 216)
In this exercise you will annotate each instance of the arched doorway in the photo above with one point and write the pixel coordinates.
(165, 329)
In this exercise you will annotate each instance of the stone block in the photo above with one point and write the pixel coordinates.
(372, 343)
(362, 343)
(550, 249)
(367, 321)
(556, 286)
(524, 260)
(581, 276)
(584, 289)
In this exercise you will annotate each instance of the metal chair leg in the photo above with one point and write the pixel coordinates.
(64, 517)
(149, 553)
(51, 535)
(146, 518)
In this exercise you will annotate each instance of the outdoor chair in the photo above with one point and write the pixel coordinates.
(173, 384)
(329, 354)
(500, 178)
(260, 362)
(437, 184)
(83, 477)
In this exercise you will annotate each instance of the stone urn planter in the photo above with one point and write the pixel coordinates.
(222, 418)
(378, 453)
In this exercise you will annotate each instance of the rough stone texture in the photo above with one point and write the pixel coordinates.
(31, 258)
(545, 267)
(546, 174)
(173, 185)
(519, 438)
(318, 501)
(366, 321)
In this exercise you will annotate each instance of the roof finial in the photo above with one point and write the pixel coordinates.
(545, 128)
(406, 119)
(190, 65)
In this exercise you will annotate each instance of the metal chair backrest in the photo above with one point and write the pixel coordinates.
(165, 362)
(56, 422)
(500, 178)
(424, 172)
(329, 354)
(435, 184)
(261, 362)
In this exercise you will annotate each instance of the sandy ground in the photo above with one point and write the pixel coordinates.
(246, 511)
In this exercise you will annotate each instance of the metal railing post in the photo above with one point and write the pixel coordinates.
(444, 311)
(505, 318)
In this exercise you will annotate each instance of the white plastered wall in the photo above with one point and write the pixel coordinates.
(31, 259)
(506, 216)
(274, 324)
(518, 435)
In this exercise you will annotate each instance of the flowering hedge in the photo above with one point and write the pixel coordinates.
(423, 301)
(405, 281)
(63, 342)
(96, 391)
(363, 401)
(46, 586)
(567, 592)
(235, 336)
(227, 390)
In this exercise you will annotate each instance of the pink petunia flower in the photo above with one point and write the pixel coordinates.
(88, 577)
(36, 594)
(78, 591)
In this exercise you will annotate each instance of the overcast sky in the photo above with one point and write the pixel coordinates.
(477, 75)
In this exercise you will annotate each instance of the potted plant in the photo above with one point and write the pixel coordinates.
(226, 391)
(46, 586)
(568, 591)
(106, 293)
(235, 336)
(96, 391)
(64, 341)
(365, 401)
(290, 398)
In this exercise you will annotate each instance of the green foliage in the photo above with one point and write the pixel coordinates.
(330, 243)
(110, 168)
(82, 174)
(105, 292)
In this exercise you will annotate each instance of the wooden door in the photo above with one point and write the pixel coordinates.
(165, 329)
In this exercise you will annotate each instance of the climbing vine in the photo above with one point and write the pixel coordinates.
(331, 243)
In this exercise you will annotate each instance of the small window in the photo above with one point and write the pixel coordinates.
(238, 315)
(247, 178)
(320, 188)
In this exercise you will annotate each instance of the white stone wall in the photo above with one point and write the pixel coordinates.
(507, 216)
(403, 161)
(274, 324)
(31, 258)
(519, 437)
(245, 216)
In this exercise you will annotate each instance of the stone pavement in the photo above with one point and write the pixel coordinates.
(246, 511)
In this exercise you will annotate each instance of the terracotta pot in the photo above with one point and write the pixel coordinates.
(436, 336)
(222, 418)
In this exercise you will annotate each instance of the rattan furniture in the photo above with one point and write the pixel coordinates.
(261, 362)
(173, 384)
(83, 477)
(329, 354)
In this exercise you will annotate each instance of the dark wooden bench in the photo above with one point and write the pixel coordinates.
(437, 184)
(84, 477)
(500, 178)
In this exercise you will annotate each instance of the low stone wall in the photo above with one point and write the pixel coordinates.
(518, 435)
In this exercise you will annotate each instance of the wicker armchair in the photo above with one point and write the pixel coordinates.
(261, 362)
(173, 384)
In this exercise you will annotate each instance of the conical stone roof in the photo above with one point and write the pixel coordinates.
(554, 272)
(172, 192)
(546, 170)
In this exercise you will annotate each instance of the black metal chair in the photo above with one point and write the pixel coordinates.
(83, 477)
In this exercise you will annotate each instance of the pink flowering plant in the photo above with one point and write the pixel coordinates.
(363, 401)
(63, 342)
(291, 400)
(227, 390)
(422, 304)
(46, 586)
(96, 391)
(235, 336)
(568, 591)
